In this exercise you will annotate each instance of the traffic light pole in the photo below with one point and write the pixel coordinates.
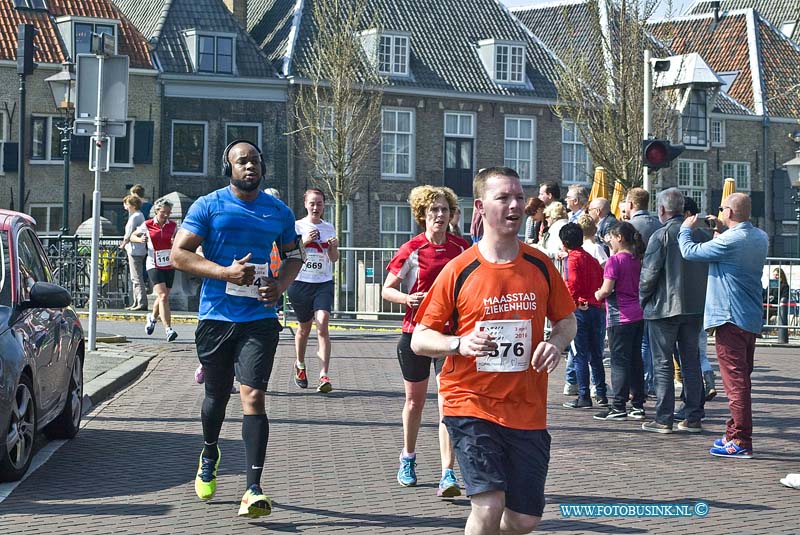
(648, 88)
(21, 147)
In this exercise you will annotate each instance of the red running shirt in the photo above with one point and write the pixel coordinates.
(159, 243)
(418, 262)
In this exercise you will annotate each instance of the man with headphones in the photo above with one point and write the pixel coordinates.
(311, 294)
(238, 329)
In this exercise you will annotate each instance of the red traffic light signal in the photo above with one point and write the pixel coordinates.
(659, 153)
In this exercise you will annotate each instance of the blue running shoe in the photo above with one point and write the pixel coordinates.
(448, 485)
(407, 475)
(720, 442)
(732, 449)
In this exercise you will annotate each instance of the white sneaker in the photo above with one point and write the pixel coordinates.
(593, 391)
(171, 335)
(150, 324)
(570, 389)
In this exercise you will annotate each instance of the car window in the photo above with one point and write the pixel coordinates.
(31, 268)
(5, 270)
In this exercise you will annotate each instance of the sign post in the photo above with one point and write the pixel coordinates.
(102, 93)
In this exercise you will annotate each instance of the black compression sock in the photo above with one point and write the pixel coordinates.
(255, 434)
(210, 451)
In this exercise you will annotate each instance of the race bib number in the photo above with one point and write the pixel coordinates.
(513, 353)
(315, 263)
(251, 290)
(162, 258)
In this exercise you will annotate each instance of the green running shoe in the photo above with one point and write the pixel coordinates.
(205, 484)
(255, 503)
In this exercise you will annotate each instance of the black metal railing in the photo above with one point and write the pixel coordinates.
(71, 260)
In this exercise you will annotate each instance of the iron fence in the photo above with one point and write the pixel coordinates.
(71, 259)
(362, 273)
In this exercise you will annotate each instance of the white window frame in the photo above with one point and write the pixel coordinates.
(193, 36)
(47, 223)
(689, 187)
(172, 148)
(574, 165)
(393, 174)
(113, 144)
(396, 64)
(788, 27)
(512, 70)
(738, 171)
(48, 146)
(717, 136)
(692, 142)
(246, 125)
(400, 236)
(459, 133)
(467, 206)
(513, 163)
(346, 258)
(4, 129)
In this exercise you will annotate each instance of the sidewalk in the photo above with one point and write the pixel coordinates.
(111, 367)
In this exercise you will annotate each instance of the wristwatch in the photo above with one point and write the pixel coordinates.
(455, 344)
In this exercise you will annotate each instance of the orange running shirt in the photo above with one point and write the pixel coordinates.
(471, 289)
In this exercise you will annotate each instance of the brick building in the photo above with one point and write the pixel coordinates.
(64, 30)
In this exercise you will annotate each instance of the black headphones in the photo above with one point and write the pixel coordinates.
(226, 165)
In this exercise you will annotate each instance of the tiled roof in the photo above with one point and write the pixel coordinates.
(775, 11)
(130, 41)
(767, 62)
(167, 20)
(444, 36)
(47, 39)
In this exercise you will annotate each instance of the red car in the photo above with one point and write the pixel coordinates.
(41, 349)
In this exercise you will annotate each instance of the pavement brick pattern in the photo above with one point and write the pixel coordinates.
(332, 460)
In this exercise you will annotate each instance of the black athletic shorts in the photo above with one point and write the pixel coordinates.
(493, 457)
(248, 349)
(414, 367)
(157, 276)
(308, 297)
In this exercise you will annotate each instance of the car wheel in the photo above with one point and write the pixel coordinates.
(17, 450)
(67, 424)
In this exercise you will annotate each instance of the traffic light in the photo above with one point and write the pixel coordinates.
(25, 48)
(659, 153)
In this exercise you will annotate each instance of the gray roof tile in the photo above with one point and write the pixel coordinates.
(444, 37)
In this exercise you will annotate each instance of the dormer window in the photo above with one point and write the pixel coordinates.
(503, 60)
(212, 52)
(393, 55)
(77, 32)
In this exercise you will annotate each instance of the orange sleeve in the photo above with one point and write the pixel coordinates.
(436, 310)
(559, 302)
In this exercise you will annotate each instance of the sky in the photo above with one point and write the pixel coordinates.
(678, 6)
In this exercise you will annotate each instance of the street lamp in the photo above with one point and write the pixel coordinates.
(62, 85)
(793, 170)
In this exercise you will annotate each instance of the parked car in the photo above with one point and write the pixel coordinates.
(41, 349)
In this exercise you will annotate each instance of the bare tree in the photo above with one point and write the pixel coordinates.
(337, 101)
(602, 86)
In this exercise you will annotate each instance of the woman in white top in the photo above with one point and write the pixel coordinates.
(589, 228)
(136, 252)
(550, 244)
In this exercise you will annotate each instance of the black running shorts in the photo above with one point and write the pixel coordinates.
(157, 276)
(414, 367)
(308, 297)
(493, 457)
(247, 349)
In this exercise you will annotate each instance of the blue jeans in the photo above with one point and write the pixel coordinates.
(586, 351)
(625, 343)
(702, 343)
(664, 334)
(647, 362)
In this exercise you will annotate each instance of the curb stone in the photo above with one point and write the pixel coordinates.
(108, 383)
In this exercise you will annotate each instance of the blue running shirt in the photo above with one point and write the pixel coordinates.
(231, 228)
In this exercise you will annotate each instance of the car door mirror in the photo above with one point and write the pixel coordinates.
(48, 295)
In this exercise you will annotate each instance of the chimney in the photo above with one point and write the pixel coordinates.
(239, 10)
(714, 5)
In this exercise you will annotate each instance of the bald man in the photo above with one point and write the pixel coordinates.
(736, 258)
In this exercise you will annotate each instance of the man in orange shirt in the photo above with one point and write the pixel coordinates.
(485, 313)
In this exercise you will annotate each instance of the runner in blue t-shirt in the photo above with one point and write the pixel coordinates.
(238, 328)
